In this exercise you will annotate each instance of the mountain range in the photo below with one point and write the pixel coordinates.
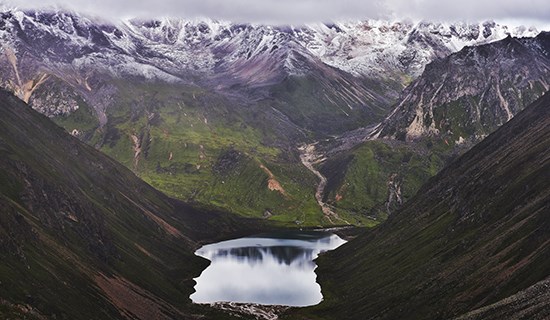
(438, 133)
(455, 103)
(213, 112)
(352, 69)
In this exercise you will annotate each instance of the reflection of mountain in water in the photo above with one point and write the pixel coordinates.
(281, 254)
(263, 269)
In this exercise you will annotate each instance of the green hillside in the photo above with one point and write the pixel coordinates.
(81, 237)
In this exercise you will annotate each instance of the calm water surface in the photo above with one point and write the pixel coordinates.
(266, 269)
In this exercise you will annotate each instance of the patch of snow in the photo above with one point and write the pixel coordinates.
(372, 48)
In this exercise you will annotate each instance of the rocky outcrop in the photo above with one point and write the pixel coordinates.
(471, 93)
(395, 196)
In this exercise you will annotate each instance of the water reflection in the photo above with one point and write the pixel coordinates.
(266, 269)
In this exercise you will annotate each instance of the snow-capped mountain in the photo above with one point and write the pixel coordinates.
(376, 47)
(351, 72)
(365, 48)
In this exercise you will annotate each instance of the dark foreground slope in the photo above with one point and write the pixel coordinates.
(475, 234)
(81, 237)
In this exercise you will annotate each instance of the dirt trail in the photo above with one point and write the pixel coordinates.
(309, 158)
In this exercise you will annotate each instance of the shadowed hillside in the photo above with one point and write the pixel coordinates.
(82, 237)
(475, 234)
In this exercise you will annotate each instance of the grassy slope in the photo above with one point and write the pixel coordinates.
(184, 131)
(474, 234)
(358, 179)
(71, 217)
(325, 106)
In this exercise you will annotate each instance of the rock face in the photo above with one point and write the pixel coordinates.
(82, 237)
(470, 93)
(474, 235)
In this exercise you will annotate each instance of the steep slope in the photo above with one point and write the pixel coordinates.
(82, 237)
(531, 303)
(456, 102)
(475, 234)
(469, 94)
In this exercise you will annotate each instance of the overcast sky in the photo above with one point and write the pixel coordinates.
(533, 12)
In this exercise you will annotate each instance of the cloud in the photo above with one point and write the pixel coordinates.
(305, 11)
(471, 9)
(264, 11)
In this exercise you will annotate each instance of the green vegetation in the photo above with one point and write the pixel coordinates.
(469, 117)
(328, 107)
(358, 179)
(81, 235)
(173, 137)
(83, 118)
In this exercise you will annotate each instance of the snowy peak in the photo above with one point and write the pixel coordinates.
(374, 47)
(370, 48)
(173, 31)
(58, 36)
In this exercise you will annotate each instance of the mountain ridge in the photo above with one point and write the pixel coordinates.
(494, 82)
(324, 41)
(473, 235)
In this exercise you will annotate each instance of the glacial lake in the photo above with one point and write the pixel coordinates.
(269, 269)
